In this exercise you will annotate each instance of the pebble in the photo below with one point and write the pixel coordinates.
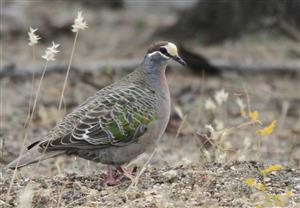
(170, 175)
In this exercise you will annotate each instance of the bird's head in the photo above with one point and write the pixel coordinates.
(163, 51)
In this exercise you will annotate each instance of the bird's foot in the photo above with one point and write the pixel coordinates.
(110, 180)
(125, 173)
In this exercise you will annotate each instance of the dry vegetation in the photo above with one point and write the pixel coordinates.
(222, 147)
(186, 185)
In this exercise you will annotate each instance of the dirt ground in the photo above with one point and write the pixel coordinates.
(211, 185)
(191, 166)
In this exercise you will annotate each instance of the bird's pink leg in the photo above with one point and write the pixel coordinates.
(110, 179)
(123, 171)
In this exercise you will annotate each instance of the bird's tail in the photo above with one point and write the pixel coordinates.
(32, 156)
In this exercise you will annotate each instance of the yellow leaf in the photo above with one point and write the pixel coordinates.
(249, 181)
(260, 186)
(253, 115)
(276, 197)
(287, 194)
(267, 130)
(271, 169)
(243, 113)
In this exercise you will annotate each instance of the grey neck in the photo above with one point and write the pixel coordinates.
(154, 67)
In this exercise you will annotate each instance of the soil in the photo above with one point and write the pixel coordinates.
(210, 185)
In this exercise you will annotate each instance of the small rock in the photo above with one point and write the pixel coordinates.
(170, 175)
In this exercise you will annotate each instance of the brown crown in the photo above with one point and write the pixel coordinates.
(156, 46)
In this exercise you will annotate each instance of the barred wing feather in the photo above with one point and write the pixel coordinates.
(119, 119)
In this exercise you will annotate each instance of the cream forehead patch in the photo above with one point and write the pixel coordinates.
(172, 49)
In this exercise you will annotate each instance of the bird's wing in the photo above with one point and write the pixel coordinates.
(119, 119)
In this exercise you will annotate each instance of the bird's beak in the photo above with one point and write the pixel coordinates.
(179, 60)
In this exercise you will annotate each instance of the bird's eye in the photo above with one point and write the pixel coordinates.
(163, 50)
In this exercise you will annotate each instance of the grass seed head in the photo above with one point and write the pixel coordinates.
(210, 105)
(79, 23)
(221, 96)
(33, 38)
(51, 52)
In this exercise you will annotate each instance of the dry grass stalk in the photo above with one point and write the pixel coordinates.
(79, 24)
(29, 122)
(136, 179)
(68, 72)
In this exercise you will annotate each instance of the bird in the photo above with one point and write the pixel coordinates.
(116, 124)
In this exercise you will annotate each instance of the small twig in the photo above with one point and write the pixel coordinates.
(27, 123)
(200, 98)
(60, 194)
(283, 114)
(248, 98)
(181, 126)
(5, 203)
(240, 126)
